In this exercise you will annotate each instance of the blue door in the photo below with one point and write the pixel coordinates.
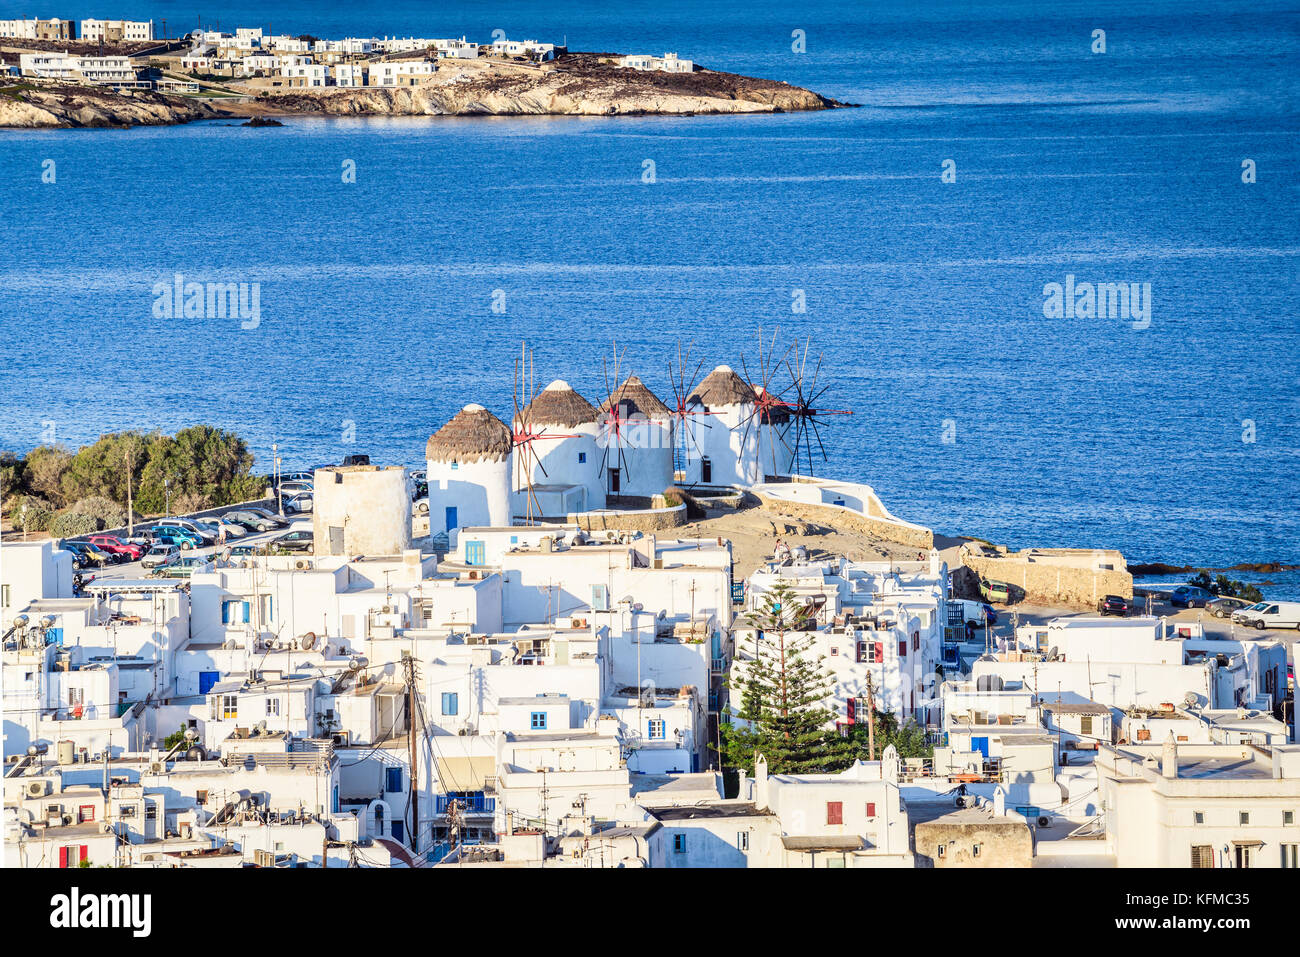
(207, 679)
(396, 829)
(981, 745)
(452, 518)
(474, 553)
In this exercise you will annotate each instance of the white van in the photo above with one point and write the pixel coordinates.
(1271, 614)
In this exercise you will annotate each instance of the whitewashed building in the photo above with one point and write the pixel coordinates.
(562, 462)
(668, 63)
(636, 441)
(469, 464)
(719, 451)
(116, 31)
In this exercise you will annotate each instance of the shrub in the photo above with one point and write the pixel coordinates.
(70, 524)
(106, 512)
(39, 512)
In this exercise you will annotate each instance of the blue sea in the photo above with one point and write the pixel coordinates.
(1175, 439)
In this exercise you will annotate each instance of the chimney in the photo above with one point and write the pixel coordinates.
(1169, 757)
(740, 785)
(760, 782)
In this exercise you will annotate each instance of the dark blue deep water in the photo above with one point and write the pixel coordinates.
(925, 298)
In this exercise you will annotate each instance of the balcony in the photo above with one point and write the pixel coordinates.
(469, 803)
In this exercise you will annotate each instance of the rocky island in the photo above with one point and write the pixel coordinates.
(570, 84)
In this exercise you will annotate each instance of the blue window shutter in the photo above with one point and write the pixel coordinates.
(225, 612)
(394, 779)
(247, 617)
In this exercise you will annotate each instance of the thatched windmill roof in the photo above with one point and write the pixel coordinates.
(473, 433)
(558, 404)
(634, 396)
(722, 387)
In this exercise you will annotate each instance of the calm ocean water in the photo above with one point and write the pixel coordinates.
(925, 298)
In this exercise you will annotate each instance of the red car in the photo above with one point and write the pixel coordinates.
(115, 546)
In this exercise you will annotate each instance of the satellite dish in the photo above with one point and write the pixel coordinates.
(1191, 699)
(1052, 653)
(308, 641)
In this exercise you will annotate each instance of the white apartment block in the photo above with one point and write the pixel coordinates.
(400, 73)
(33, 29)
(306, 74)
(104, 70)
(525, 48)
(116, 31)
(668, 63)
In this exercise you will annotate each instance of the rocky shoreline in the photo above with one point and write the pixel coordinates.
(583, 88)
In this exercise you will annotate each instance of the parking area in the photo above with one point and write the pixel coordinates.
(134, 569)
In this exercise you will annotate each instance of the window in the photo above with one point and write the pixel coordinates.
(272, 707)
(1198, 817)
(392, 779)
(582, 458)
(1245, 855)
(916, 641)
(454, 465)
(538, 721)
(975, 851)
(902, 649)
(942, 849)
(1244, 818)
(1288, 817)
(201, 797)
(679, 843)
(871, 809)
(450, 702)
(657, 729)
(1085, 724)
(600, 598)
(1290, 855)
(1202, 855)
(706, 470)
(1144, 734)
(151, 812)
(834, 812)
(229, 709)
(76, 695)
(742, 842)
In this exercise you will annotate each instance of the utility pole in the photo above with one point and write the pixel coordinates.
(130, 466)
(413, 791)
(871, 720)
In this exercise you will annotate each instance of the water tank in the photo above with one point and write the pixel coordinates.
(67, 752)
(988, 683)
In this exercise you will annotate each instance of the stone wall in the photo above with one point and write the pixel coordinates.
(1047, 582)
(1003, 842)
(649, 520)
(840, 517)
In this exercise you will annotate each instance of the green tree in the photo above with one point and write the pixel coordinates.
(782, 690)
(44, 467)
(909, 739)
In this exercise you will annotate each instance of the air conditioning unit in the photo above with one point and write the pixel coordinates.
(302, 564)
(156, 768)
(67, 819)
(388, 610)
(38, 788)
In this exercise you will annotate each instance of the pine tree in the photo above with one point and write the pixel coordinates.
(782, 691)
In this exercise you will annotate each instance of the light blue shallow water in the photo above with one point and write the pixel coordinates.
(924, 298)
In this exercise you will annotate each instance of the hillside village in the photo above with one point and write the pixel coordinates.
(540, 659)
(122, 66)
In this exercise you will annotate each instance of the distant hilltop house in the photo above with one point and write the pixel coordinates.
(668, 63)
(116, 31)
(38, 29)
(526, 48)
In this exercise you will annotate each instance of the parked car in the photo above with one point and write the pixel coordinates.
(293, 488)
(303, 476)
(419, 489)
(116, 546)
(182, 568)
(1113, 605)
(992, 591)
(255, 520)
(1272, 614)
(217, 525)
(299, 540)
(422, 506)
(1225, 606)
(245, 550)
(302, 502)
(192, 527)
(161, 555)
(92, 555)
(175, 535)
(1190, 596)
